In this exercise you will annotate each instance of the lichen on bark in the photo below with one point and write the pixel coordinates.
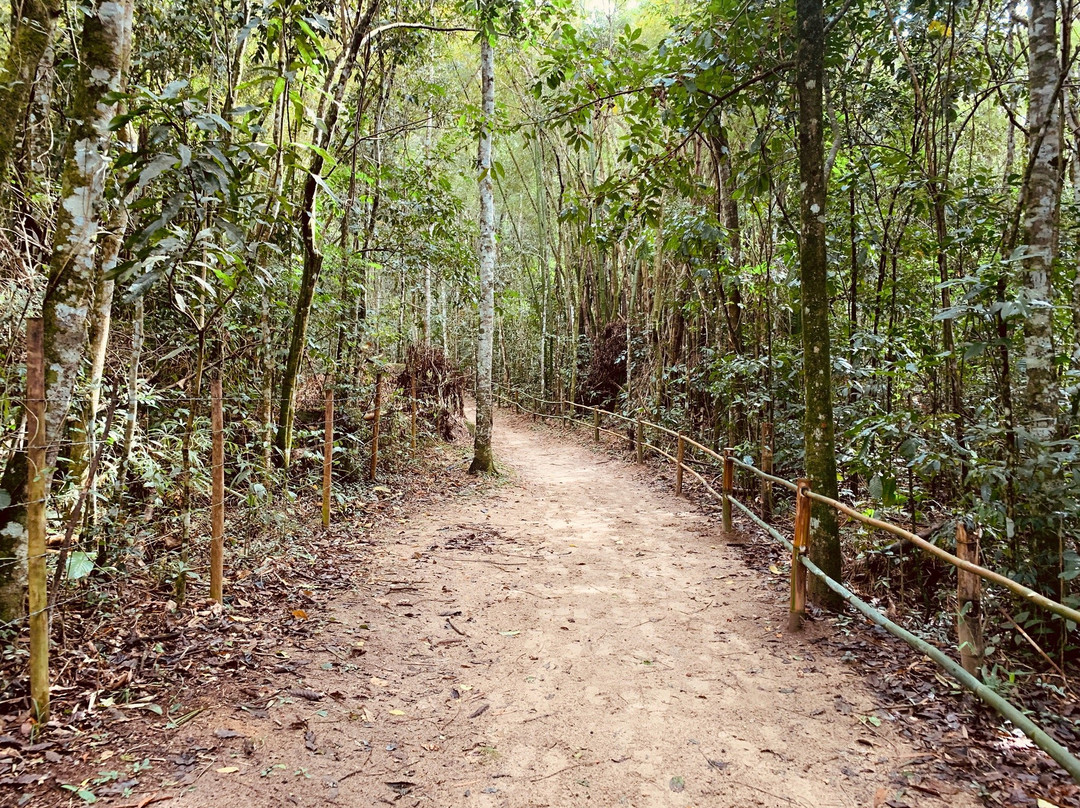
(105, 36)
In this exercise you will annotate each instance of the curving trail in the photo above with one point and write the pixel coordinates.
(567, 637)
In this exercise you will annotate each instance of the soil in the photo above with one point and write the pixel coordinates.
(565, 634)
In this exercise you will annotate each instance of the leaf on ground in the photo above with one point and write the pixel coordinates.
(227, 733)
(397, 712)
(299, 614)
(677, 784)
(375, 680)
(227, 769)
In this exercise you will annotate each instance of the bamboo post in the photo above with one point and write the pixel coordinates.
(328, 458)
(639, 440)
(217, 492)
(412, 416)
(800, 546)
(767, 467)
(969, 600)
(729, 484)
(36, 490)
(596, 426)
(375, 428)
(680, 452)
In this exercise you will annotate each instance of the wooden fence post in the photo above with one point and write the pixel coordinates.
(680, 452)
(969, 600)
(36, 490)
(729, 484)
(217, 491)
(412, 396)
(596, 425)
(375, 428)
(767, 467)
(800, 546)
(639, 440)
(328, 458)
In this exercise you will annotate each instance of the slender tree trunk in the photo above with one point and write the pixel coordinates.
(1040, 222)
(84, 432)
(1039, 234)
(313, 256)
(482, 457)
(132, 416)
(817, 370)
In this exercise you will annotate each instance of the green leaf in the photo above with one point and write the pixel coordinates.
(84, 794)
(79, 565)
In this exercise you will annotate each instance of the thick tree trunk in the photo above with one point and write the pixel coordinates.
(106, 32)
(817, 370)
(482, 458)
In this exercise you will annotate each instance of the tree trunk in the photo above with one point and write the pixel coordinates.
(84, 432)
(313, 256)
(482, 459)
(1040, 222)
(132, 416)
(33, 27)
(817, 371)
(106, 31)
(1039, 234)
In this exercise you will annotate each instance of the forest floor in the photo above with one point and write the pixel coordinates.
(564, 634)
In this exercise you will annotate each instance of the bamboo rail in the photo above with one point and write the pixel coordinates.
(801, 563)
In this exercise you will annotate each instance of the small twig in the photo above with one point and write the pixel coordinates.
(537, 717)
(148, 801)
(564, 769)
(479, 711)
(455, 628)
(1035, 645)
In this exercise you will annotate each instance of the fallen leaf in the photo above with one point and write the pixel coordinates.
(227, 769)
(397, 712)
(299, 614)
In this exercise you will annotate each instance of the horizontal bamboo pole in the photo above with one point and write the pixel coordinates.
(989, 575)
(1003, 707)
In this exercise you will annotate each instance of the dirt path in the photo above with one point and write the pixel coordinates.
(567, 637)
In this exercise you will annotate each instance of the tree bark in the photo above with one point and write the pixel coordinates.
(33, 27)
(106, 31)
(817, 370)
(482, 458)
(313, 256)
(1039, 419)
(1040, 223)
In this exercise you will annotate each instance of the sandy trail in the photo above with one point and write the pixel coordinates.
(567, 637)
